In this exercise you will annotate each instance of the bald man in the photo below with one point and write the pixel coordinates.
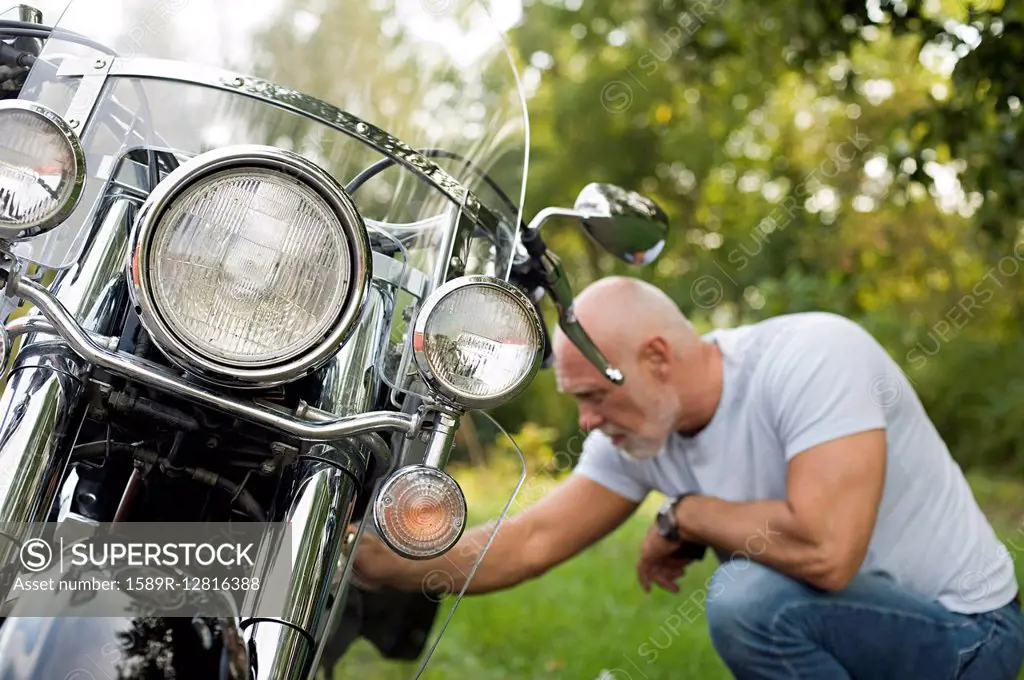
(850, 543)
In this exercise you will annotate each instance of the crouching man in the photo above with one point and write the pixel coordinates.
(850, 543)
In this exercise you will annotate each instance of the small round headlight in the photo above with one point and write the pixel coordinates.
(478, 341)
(420, 512)
(42, 169)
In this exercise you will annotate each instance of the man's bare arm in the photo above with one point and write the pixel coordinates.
(576, 514)
(820, 533)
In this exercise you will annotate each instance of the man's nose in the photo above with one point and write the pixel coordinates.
(589, 420)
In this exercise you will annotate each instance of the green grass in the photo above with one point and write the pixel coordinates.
(590, 615)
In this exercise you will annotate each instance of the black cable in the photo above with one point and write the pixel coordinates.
(243, 497)
(13, 23)
(31, 30)
(238, 492)
(10, 56)
(152, 167)
(24, 32)
(385, 163)
(287, 624)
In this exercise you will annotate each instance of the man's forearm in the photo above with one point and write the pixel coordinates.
(503, 566)
(768, 532)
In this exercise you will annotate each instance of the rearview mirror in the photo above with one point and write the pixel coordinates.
(628, 225)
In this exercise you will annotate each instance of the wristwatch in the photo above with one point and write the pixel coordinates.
(669, 529)
(665, 521)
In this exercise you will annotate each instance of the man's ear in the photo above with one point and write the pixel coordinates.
(657, 353)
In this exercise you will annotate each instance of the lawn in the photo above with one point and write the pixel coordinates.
(589, 619)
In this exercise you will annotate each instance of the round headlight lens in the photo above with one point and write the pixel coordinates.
(249, 267)
(420, 512)
(42, 169)
(478, 342)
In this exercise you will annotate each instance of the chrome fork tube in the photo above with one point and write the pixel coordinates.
(320, 502)
(40, 409)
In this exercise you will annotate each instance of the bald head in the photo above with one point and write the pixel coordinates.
(621, 313)
(673, 376)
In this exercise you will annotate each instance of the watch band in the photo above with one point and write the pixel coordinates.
(687, 549)
(691, 551)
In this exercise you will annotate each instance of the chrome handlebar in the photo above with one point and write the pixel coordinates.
(95, 349)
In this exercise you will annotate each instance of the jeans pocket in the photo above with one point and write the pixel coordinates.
(975, 657)
(999, 653)
(1013, 617)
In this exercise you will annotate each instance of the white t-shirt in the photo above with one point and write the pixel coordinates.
(798, 380)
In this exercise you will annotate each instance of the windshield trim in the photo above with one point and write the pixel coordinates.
(298, 103)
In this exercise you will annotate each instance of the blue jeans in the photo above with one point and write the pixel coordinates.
(767, 626)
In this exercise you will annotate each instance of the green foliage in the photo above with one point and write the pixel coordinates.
(865, 158)
(860, 158)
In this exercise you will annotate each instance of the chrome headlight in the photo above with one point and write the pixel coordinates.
(478, 341)
(42, 169)
(249, 265)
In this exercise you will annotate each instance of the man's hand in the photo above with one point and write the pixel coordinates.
(657, 563)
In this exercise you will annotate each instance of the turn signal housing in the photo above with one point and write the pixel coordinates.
(420, 512)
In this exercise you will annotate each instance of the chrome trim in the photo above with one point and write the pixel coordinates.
(67, 495)
(158, 377)
(317, 509)
(399, 275)
(548, 214)
(83, 103)
(349, 384)
(318, 350)
(5, 348)
(515, 296)
(26, 325)
(29, 14)
(41, 405)
(37, 428)
(371, 440)
(96, 285)
(18, 233)
(449, 240)
(442, 437)
(304, 105)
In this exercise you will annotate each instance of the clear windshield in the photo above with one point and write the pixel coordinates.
(329, 80)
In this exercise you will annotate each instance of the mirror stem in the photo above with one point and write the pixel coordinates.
(556, 283)
(547, 214)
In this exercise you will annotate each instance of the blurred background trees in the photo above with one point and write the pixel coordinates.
(860, 157)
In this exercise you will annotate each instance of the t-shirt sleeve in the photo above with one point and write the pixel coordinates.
(602, 462)
(828, 380)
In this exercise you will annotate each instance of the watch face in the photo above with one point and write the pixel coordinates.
(664, 520)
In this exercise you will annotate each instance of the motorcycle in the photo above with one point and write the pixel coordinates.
(229, 300)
